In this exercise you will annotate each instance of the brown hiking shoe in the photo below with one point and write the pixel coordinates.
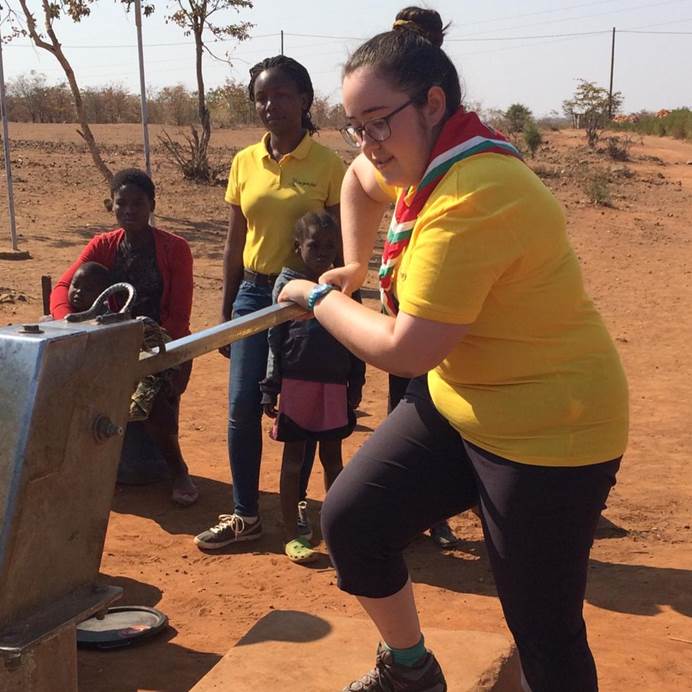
(387, 676)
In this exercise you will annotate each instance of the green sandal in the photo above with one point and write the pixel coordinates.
(299, 551)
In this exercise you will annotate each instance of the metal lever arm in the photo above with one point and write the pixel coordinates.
(189, 347)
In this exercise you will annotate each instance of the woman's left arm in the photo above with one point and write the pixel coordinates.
(407, 346)
(180, 296)
(335, 212)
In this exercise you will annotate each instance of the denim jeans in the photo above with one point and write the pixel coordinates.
(248, 367)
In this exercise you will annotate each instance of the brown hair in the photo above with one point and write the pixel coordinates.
(410, 57)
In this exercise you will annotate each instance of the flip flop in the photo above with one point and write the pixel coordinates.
(299, 551)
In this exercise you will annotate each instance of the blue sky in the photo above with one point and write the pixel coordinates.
(506, 52)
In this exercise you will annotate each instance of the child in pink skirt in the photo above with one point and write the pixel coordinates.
(318, 382)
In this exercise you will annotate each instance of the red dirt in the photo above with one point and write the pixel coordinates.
(637, 260)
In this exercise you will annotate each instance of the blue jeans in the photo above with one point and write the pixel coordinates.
(248, 367)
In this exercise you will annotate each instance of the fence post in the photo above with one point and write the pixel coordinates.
(612, 65)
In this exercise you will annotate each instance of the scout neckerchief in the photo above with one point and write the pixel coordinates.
(462, 136)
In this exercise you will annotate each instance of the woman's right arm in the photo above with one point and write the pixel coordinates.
(233, 260)
(363, 203)
(232, 265)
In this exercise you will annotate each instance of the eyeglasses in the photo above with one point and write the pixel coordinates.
(378, 129)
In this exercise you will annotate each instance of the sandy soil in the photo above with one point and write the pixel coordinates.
(637, 260)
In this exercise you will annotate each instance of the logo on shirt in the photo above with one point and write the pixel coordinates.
(303, 183)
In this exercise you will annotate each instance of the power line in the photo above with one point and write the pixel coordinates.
(534, 14)
(651, 26)
(465, 39)
(590, 16)
(656, 33)
(340, 38)
(539, 44)
(148, 45)
(517, 38)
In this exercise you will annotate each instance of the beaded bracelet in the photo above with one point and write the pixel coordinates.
(317, 293)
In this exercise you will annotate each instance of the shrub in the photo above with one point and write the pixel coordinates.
(517, 116)
(619, 148)
(679, 123)
(532, 137)
(589, 109)
(597, 189)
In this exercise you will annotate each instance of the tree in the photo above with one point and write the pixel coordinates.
(196, 17)
(29, 93)
(51, 12)
(229, 105)
(177, 105)
(589, 109)
(517, 116)
(532, 136)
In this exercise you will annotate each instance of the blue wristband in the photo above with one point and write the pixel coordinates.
(317, 293)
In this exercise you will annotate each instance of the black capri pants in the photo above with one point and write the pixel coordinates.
(538, 523)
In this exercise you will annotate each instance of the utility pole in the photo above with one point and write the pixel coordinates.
(142, 87)
(143, 94)
(282, 41)
(6, 150)
(612, 64)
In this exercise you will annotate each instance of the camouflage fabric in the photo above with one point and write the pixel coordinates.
(148, 388)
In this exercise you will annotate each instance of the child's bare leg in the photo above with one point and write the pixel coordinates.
(184, 490)
(289, 489)
(332, 463)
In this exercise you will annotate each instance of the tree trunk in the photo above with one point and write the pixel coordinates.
(85, 132)
(55, 48)
(202, 109)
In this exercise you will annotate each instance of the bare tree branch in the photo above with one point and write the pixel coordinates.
(192, 16)
(77, 10)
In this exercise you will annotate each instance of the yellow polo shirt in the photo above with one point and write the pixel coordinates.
(536, 379)
(273, 195)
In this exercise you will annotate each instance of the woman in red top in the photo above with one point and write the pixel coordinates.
(159, 265)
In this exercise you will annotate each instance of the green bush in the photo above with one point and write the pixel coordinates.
(677, 123)
(532, 137)
(517, 116)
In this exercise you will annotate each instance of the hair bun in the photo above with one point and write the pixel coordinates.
(427, 23)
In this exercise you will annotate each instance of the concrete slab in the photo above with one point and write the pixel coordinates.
(290, 651)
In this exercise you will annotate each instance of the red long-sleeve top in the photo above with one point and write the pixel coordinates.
(174, 261)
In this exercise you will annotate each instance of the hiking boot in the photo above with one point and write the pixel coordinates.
(303, 526)
(232, 528)
(387, 676)
(442, 536)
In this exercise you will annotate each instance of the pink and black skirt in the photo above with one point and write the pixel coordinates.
(313, 411)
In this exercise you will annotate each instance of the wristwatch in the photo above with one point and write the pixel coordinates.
(317, 293)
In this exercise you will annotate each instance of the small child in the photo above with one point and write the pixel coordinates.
(317, 380)
(89, 281)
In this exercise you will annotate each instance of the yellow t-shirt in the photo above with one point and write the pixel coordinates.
(273, 195)
(536, 379)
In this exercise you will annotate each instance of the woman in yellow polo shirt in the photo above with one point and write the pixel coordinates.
(270, 186)
(524, 408)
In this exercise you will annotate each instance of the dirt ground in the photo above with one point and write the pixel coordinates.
(637, 260)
